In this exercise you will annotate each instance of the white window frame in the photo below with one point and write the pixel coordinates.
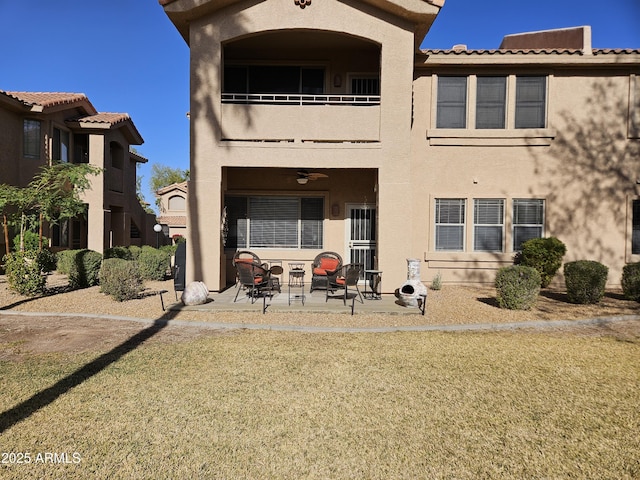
(514, 218)
(479, 225)
(439, 225)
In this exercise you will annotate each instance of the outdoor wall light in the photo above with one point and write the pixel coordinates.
(337, 81)
(335, 210)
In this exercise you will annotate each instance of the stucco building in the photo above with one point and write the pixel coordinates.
(41, 128)
(173, 209)
(322, 126)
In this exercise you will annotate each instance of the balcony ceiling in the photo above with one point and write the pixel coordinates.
(303, 40)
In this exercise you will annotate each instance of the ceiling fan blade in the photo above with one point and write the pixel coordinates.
(316, 175)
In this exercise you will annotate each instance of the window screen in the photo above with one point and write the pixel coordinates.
(488, 221)
(31, 138)
(452, 102)
(530, 102)
(528, 221)
(490, 102)
(450, 224)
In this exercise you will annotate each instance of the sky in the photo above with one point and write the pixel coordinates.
(127, 57)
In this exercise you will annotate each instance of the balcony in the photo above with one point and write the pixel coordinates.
(325, 118)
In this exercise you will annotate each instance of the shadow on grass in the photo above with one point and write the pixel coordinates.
(47, 396)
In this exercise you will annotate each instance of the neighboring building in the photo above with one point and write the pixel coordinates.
(322, 126)
(173, 209)
(39, 129)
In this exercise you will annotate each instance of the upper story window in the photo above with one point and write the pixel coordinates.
(531, 93)
(31, 138)
(461, 99)
(452, 102)
(258, 79)
(60, 147)
(177, 202)
(491, 102)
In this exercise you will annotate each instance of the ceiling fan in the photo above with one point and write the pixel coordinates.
(304, 176)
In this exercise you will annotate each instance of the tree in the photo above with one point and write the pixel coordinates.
(163, 176)
(54, 194)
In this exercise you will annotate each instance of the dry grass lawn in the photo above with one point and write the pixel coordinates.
(263, 405)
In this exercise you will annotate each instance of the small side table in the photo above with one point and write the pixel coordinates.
(296, 281)
(372, 281)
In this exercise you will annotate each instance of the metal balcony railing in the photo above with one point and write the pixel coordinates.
(299, 99)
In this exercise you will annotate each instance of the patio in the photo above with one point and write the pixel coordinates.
(313, 303)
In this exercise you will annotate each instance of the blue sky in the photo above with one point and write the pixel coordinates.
(126, 56)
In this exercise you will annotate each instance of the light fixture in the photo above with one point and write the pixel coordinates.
(337, 81)
(302, 180)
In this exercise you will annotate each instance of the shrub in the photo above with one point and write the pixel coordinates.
(436, 284)
(585, 281)
(31, 241)
(25, 272)
(118, 252)
(543, 254)
(120, 278)
(153, 263)
(47, 260)
(85, 269)
(631, 281)
(64, 260)
(134, 252)
(517, 287)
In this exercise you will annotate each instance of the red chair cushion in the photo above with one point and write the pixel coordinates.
(341, 280)
(319, 271)
(329, 264)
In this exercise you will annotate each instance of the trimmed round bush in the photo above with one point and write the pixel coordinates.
(153, 263)
(631, 281)
(121, 279)
(517, 287)
(64, 260)
(585, 281)
(84, 271)
(118, 252)
(543, 254)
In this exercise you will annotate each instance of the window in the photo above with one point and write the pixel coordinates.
(274, 222)
(60, 149)
(450, 224)
(365, 85)
(488, 225)
(635, 235)
(530, 102)
(452, 102)
(264, 79)
(177, 202)
(491, 102)
(31, 138)
(528, 221)
(60, 234)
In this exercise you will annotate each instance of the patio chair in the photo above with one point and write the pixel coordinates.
(324, 265)
(244, 256)
(347, 276)
(255, 278)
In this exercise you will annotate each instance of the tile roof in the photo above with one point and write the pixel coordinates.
(173, 220)
(105, 117)
(50, 99)
(529, 51)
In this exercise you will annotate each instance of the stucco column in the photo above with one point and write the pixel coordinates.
(98, 226)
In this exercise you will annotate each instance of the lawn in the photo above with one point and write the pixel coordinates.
(263, 405)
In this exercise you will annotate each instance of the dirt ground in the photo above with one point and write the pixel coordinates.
(23, 332)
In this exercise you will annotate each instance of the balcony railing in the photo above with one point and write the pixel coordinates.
(298, 99)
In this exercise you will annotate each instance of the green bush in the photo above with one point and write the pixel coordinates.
(153, 263)
(118, 252)
(84, 271)
(517, 287)
(543, 254)
(585, 281)
(120, 278)
(31, 241)
(26, 272)
(134, 252)
(631, 281)
(64, 260)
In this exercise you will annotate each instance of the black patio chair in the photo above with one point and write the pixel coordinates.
(346, 277)
(255, 278)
